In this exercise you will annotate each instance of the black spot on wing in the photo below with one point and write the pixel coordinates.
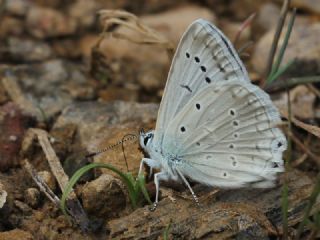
(186, 87)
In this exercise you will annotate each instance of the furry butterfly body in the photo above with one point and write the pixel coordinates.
(213, 125)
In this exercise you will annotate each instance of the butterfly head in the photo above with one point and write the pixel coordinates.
(146, 139)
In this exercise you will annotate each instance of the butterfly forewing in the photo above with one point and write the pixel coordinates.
(203, 58)
(228, 131)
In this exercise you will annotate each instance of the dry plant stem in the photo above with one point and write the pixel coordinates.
(74, 206)
(314, 89)
(52, 158)
(314, 130)
(41, 184)
(109, 18)
(300, 160)
(14, 91)
(274, 46)
(314, 157)
(244, 47)
(243, 26)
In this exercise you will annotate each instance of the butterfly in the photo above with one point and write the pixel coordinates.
(214, 126)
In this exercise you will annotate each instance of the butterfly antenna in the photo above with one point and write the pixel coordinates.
(112, 146)
(131, 137)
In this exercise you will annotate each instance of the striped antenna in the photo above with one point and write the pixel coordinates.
(127, 137)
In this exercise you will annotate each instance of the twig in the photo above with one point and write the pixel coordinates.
(14, 91)
(314, 89)
(300, 160)
(41, 184)
(244, 47)
(309, 128)
(243, 26)
(314, 157)
(274, 46)
(74, 207)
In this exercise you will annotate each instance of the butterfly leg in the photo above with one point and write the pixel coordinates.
(157, 178)
(188, 185)
(150, 162)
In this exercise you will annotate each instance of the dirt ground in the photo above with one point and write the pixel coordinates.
(78, 76)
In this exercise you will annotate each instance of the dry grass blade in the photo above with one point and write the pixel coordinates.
(243, 26)
(314, 90)
(145, 35)
(244, 47)
(314, 157)
(314, 130)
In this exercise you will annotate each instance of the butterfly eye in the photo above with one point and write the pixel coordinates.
(203, 68)
(208, 80)
(187, 55)
(183, 129)
(147, 138)
(197, 59)
(198, 106)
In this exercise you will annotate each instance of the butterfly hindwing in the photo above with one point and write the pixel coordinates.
(227, 136)
(203, 58)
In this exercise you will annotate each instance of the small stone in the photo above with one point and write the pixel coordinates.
(32, 197)
(17, 7)
(16, 234)
(84, 12)
(23, 207)
(46, 22)
(10, 26)
(45, 84)
(48, 178)
(13, 138)
(13, 124)
(25, 50)
(103, 196)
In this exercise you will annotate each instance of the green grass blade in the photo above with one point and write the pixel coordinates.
(284, 45)
(125, 177)
(166, 231)
(142, 185)
(280, 71)
(284, 209)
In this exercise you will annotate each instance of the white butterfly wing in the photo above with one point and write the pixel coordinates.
(226, 136)
(203, 58)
